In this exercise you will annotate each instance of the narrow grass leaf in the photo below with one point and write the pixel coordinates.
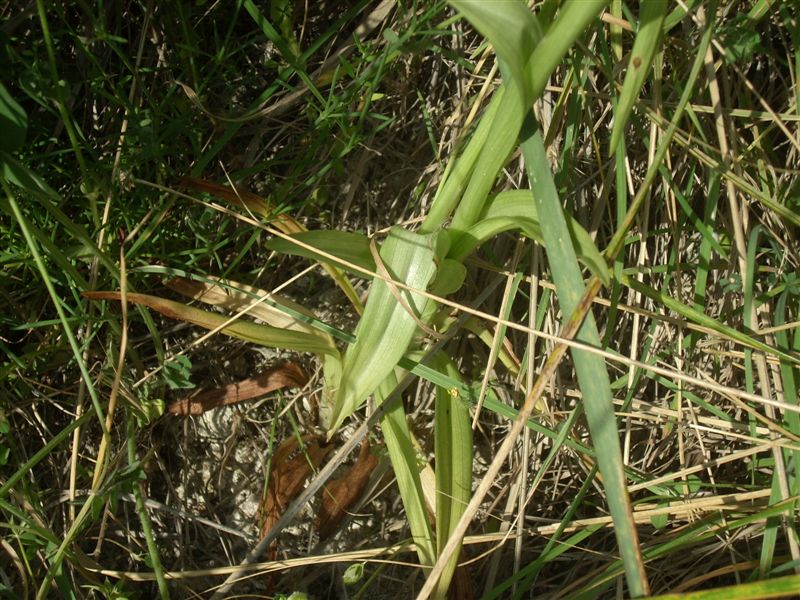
(405, 464)
(453, 451)
(699, 317)
(651, 20)
(591, 369)
(13, 122)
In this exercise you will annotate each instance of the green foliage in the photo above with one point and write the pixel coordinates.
(685, 179)
(178, 373)
(13, 122)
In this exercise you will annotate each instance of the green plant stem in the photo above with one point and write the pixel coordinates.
(141, 509)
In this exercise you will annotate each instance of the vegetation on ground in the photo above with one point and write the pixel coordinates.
(390, 299)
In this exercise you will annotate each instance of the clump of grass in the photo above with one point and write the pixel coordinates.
(606, 401)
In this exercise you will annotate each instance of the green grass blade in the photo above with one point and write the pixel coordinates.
(512, 210)
(651, 21)
(350, 247)
(591, 370)
(780, 587)
(59, 306)
(699, 317)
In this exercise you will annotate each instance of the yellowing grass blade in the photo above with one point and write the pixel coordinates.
(238, 296)
(285, 223)
(387, 326)
(240, 328)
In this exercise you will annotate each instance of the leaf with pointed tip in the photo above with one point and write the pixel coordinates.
(255, 204)
(347, 246)
(386, 327)
(235, 296)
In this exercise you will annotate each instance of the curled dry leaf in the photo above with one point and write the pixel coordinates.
(288, 374)
(289, 468)
(244, 199)
(340, 494)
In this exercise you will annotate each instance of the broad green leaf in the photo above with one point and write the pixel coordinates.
(386, 327)
(449, 278)
(406, 467)
(241, 329)
(510, 27)
(493, 155)
(13, 122)
(453, 451)
(347, 246)
(570, 23)
(514, 210)
(574, 16)
(651, 21)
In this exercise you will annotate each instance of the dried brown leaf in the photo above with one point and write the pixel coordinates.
(289, 469)
(244, 199)
(288, 374)
(340, 494)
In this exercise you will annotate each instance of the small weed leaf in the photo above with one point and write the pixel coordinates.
(178, 373)
(353, 574)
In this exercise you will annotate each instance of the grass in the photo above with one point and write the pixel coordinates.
(577, 361)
